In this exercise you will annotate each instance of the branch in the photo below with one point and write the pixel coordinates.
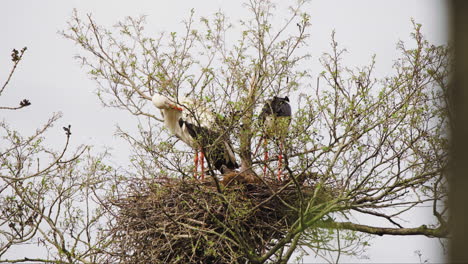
(440, 232)
(16, 58)
(26, 259)
(22, 104)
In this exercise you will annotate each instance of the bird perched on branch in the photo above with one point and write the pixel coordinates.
(275, 119)
(195, 125)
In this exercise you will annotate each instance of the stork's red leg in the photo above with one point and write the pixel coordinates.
(202, 163)
(280, 161)
(195, 160)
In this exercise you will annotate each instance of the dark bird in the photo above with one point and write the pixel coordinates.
(275, 119)
(195, 125)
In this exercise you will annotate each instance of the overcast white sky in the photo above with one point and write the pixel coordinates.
(53, 81)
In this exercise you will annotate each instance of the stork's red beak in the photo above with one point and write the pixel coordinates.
(175, 107)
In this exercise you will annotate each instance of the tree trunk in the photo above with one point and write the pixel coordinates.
(459, 147)
(246, 132)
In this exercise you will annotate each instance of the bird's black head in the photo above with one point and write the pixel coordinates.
(278, 99)
(278, 106)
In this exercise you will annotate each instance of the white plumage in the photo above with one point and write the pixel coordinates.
(195, 125)
(171, 113)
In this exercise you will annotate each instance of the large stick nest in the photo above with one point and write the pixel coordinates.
(188, 221)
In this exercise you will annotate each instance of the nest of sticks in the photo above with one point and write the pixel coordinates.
(187, 221)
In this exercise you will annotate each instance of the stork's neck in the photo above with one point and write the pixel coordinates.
(171, 120)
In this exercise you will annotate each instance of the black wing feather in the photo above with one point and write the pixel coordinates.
(217, 153)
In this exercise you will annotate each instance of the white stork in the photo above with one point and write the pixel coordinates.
(195, 125)
(275, 119)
